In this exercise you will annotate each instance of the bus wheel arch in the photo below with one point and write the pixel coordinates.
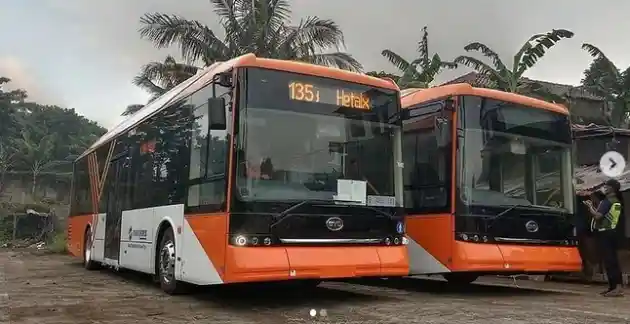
(164, 225)
(165, 258)
(87, 249)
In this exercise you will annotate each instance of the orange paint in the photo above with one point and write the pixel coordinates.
(434, 233)
(464, 89)
(76, 233)
(284, 263)
(524, 258)
(211, 231)
(250, 60)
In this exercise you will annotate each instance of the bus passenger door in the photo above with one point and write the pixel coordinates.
(427, 156)
(116, 191)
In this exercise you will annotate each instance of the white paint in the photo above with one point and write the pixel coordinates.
(99, 229)
(98, 250)
(422, 262)
(196, 266)
(137, 234)
(612, 164)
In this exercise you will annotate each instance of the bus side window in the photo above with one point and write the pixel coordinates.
(427, 163)
(209, 158)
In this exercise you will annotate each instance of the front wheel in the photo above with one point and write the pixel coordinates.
(460, 278)
(166, 264)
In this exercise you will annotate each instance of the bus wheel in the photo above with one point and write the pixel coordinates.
(460, 278)
(166, 264)
(88, 263)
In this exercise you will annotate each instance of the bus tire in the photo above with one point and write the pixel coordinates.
(88, 262)
(460, 278)
(166, 259)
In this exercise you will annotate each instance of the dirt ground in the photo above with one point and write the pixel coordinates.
(53, 289)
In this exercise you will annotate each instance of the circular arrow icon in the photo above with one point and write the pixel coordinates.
(612, 164)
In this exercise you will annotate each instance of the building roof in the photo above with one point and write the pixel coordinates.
(480, 80)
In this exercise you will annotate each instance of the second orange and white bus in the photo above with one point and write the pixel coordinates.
(252, 170)
(488, 183)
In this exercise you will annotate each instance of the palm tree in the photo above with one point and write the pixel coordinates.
(511, 80)
(261, 27)
(159, 77)
(430, 66)
(604, 79)
(132, 109)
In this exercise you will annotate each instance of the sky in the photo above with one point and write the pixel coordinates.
(83, 54)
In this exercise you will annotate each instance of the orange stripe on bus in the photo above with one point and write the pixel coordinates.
(463, 89)
(211, 231)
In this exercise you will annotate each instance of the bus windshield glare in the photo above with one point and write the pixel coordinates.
(299, 134)
(514, 155)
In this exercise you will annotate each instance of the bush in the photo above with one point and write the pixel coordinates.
(57, 243)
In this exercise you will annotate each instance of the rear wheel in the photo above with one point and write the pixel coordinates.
(88, 263)
(460, 278)
(166, 264)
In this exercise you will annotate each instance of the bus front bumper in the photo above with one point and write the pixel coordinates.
(515, 258)
(244, 264)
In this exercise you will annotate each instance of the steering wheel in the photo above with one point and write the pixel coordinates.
(553, 193)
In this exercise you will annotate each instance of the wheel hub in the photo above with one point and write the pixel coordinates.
(167, 262)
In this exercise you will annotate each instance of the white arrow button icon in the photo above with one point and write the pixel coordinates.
(612, 164)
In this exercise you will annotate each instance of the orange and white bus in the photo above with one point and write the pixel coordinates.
(252, 170)
(488, 183)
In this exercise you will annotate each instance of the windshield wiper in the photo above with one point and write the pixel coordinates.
(278, 218)
(512, 207)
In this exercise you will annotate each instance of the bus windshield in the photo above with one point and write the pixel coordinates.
(514, 155)
(298, 135)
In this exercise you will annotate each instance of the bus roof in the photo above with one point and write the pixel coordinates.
(411, 97)
(204, 77)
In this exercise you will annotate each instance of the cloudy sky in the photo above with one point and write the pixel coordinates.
(84, 53)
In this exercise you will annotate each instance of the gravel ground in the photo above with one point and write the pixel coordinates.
(43, 288)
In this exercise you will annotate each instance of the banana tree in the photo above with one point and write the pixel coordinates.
(511, 79)
(604, 79)
(420, 72)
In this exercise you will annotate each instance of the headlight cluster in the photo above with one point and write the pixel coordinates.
(480, 238)
(395, 240)
(251, 240)
(472, 237)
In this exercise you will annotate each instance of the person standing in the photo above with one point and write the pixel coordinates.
(605, 219)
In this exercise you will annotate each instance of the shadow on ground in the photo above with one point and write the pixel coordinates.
(248, 296)
(440, 287)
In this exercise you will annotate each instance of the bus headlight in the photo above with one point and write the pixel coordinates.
(240, 240)
(251, 240)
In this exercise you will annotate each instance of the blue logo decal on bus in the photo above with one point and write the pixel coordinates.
(400, 228)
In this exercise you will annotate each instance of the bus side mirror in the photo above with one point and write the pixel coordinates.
(216, 114)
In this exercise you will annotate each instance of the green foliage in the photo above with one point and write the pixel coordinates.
(262, 27)
(511, 80)
(604, 79)
(420, 72)
(58, 243)
(383, 74)
(38, 138)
